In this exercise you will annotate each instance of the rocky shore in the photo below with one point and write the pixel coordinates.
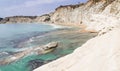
(36, 50)
(100, 53)
(97, 54)
(85, 15)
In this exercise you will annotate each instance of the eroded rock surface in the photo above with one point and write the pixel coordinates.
(37, 50)
(18, 19)
(97, 54)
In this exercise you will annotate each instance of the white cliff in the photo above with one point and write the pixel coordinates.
(101, 53)
(90, 14)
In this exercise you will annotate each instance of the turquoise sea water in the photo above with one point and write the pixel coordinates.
(16, 37)
(11, 35)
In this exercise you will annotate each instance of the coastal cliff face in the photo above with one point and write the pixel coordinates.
(93, 15)
(97, 54)
(26, 19)
(64, 14)
(100, 53)
(43, 18)
(18, 19)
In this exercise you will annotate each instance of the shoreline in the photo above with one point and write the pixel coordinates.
(82, 27)
(93, 53)
(63, 36)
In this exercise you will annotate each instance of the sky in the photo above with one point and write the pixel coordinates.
(32, 7)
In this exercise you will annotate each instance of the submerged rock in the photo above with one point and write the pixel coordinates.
(45, 49)
(51, 45)
(37, 50)
(33, 64)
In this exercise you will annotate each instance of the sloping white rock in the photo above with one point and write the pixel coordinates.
(101, 53)
(99, 21)
(94, 16)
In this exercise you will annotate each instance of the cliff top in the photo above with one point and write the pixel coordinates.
(101, 0)
(70, 6)
(32, 17)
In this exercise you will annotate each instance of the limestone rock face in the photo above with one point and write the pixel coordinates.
(18, 19)
(27, 19)
(101, 53)
(64, 14)
(43, 18)
(94, 15)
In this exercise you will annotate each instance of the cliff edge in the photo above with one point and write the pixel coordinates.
(18, 19)
(93, 15)
(101, 53)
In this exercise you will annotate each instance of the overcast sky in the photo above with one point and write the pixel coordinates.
(31, 7)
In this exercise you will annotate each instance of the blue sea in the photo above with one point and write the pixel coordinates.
(17, 37)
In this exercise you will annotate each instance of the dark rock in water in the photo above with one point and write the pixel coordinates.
(1, 19)
(33, 64)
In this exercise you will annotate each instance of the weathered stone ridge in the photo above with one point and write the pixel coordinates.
(43, 18)
(18, 19)
(26, 19)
